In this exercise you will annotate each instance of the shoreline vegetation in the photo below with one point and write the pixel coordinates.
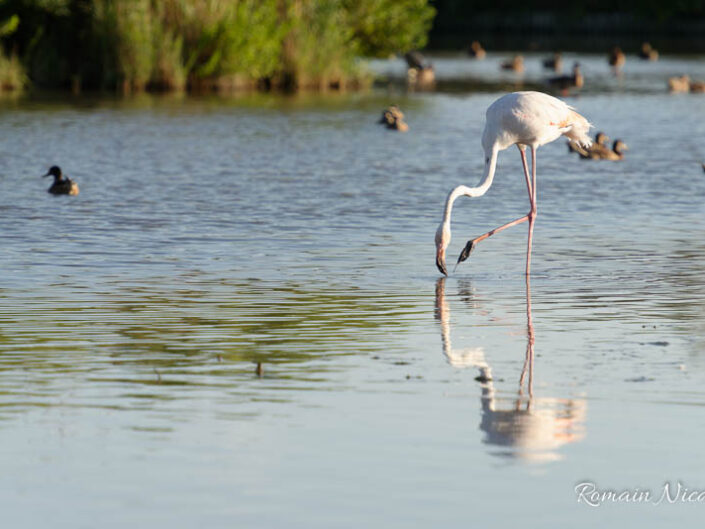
(127, 46)
(202, 45)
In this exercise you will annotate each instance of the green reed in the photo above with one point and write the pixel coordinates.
(132, 45)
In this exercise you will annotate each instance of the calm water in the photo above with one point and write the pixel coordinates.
(211, 234)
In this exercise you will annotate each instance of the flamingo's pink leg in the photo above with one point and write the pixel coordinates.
(522, 151)
(503, 227)
(470, 246)
(532, 213)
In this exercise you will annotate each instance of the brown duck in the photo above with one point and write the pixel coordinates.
(617, 58)
(62, 185)
(476, 50)
(616, 153)
(393, 118)
(516, 64)
(566, 82)
(600, 142)
(647, 53)
(555, 63)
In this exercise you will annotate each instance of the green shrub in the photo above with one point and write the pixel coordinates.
(167, 44)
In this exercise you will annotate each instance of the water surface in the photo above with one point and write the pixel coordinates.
(213, 234)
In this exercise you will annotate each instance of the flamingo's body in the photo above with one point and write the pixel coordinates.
(524, 119)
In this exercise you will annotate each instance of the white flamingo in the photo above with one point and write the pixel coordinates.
(524, 119)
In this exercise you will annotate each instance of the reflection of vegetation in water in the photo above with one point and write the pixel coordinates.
(251, 322)
(136, 346)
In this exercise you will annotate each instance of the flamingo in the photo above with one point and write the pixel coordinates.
(524, 119)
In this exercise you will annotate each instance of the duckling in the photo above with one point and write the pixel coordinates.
(516, 64)
(679, 84)
(566, 82)
(697, 87)
(647, 53)
(62, 185)
(476, 50)
(617, 58)
(601, 140)
(614, 154)
(555, 64)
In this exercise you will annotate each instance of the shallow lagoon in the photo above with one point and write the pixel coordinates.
(211, 234)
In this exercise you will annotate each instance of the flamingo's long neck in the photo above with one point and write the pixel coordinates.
(490, 166)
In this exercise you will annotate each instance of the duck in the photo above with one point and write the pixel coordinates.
(476, 50)
(62, 185)
(555, 63)
(416, 60)
(647, 53)
(566, 82)
(393, 118)
(420, 72)
(616, 153)
(679, 84)
(697, 86)
(390, 113)
(516, 64)
(421, 77)
(601, 140)
(617, 58)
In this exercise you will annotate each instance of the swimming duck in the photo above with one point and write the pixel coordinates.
(679, 84)
(421, 77)
(393, 118)
(420, 72)
(476, 50)
(555, 64)
(391, 113)
(617, 58)
(415, 59)
(566, 82)
(697, 86)
(616, 153)
(62, 185)
(515, 64)
(647, 53)
(601, 140)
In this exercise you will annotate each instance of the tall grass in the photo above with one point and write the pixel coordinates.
(12, 74)
(133, 45)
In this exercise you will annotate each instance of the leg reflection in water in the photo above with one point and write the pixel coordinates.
(524, 427)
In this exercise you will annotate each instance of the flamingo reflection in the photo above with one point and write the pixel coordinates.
(525, 427)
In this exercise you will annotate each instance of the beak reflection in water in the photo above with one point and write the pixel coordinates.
(528, 428)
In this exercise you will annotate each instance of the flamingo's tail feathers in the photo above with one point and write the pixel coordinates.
(579, 128)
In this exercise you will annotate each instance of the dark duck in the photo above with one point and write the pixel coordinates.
(62, 184)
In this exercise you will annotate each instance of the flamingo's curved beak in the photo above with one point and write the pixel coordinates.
(441, 261)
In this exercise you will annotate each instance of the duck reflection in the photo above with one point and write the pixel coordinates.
(524, 427)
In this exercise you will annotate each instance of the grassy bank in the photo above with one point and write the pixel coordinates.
(134, 45)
